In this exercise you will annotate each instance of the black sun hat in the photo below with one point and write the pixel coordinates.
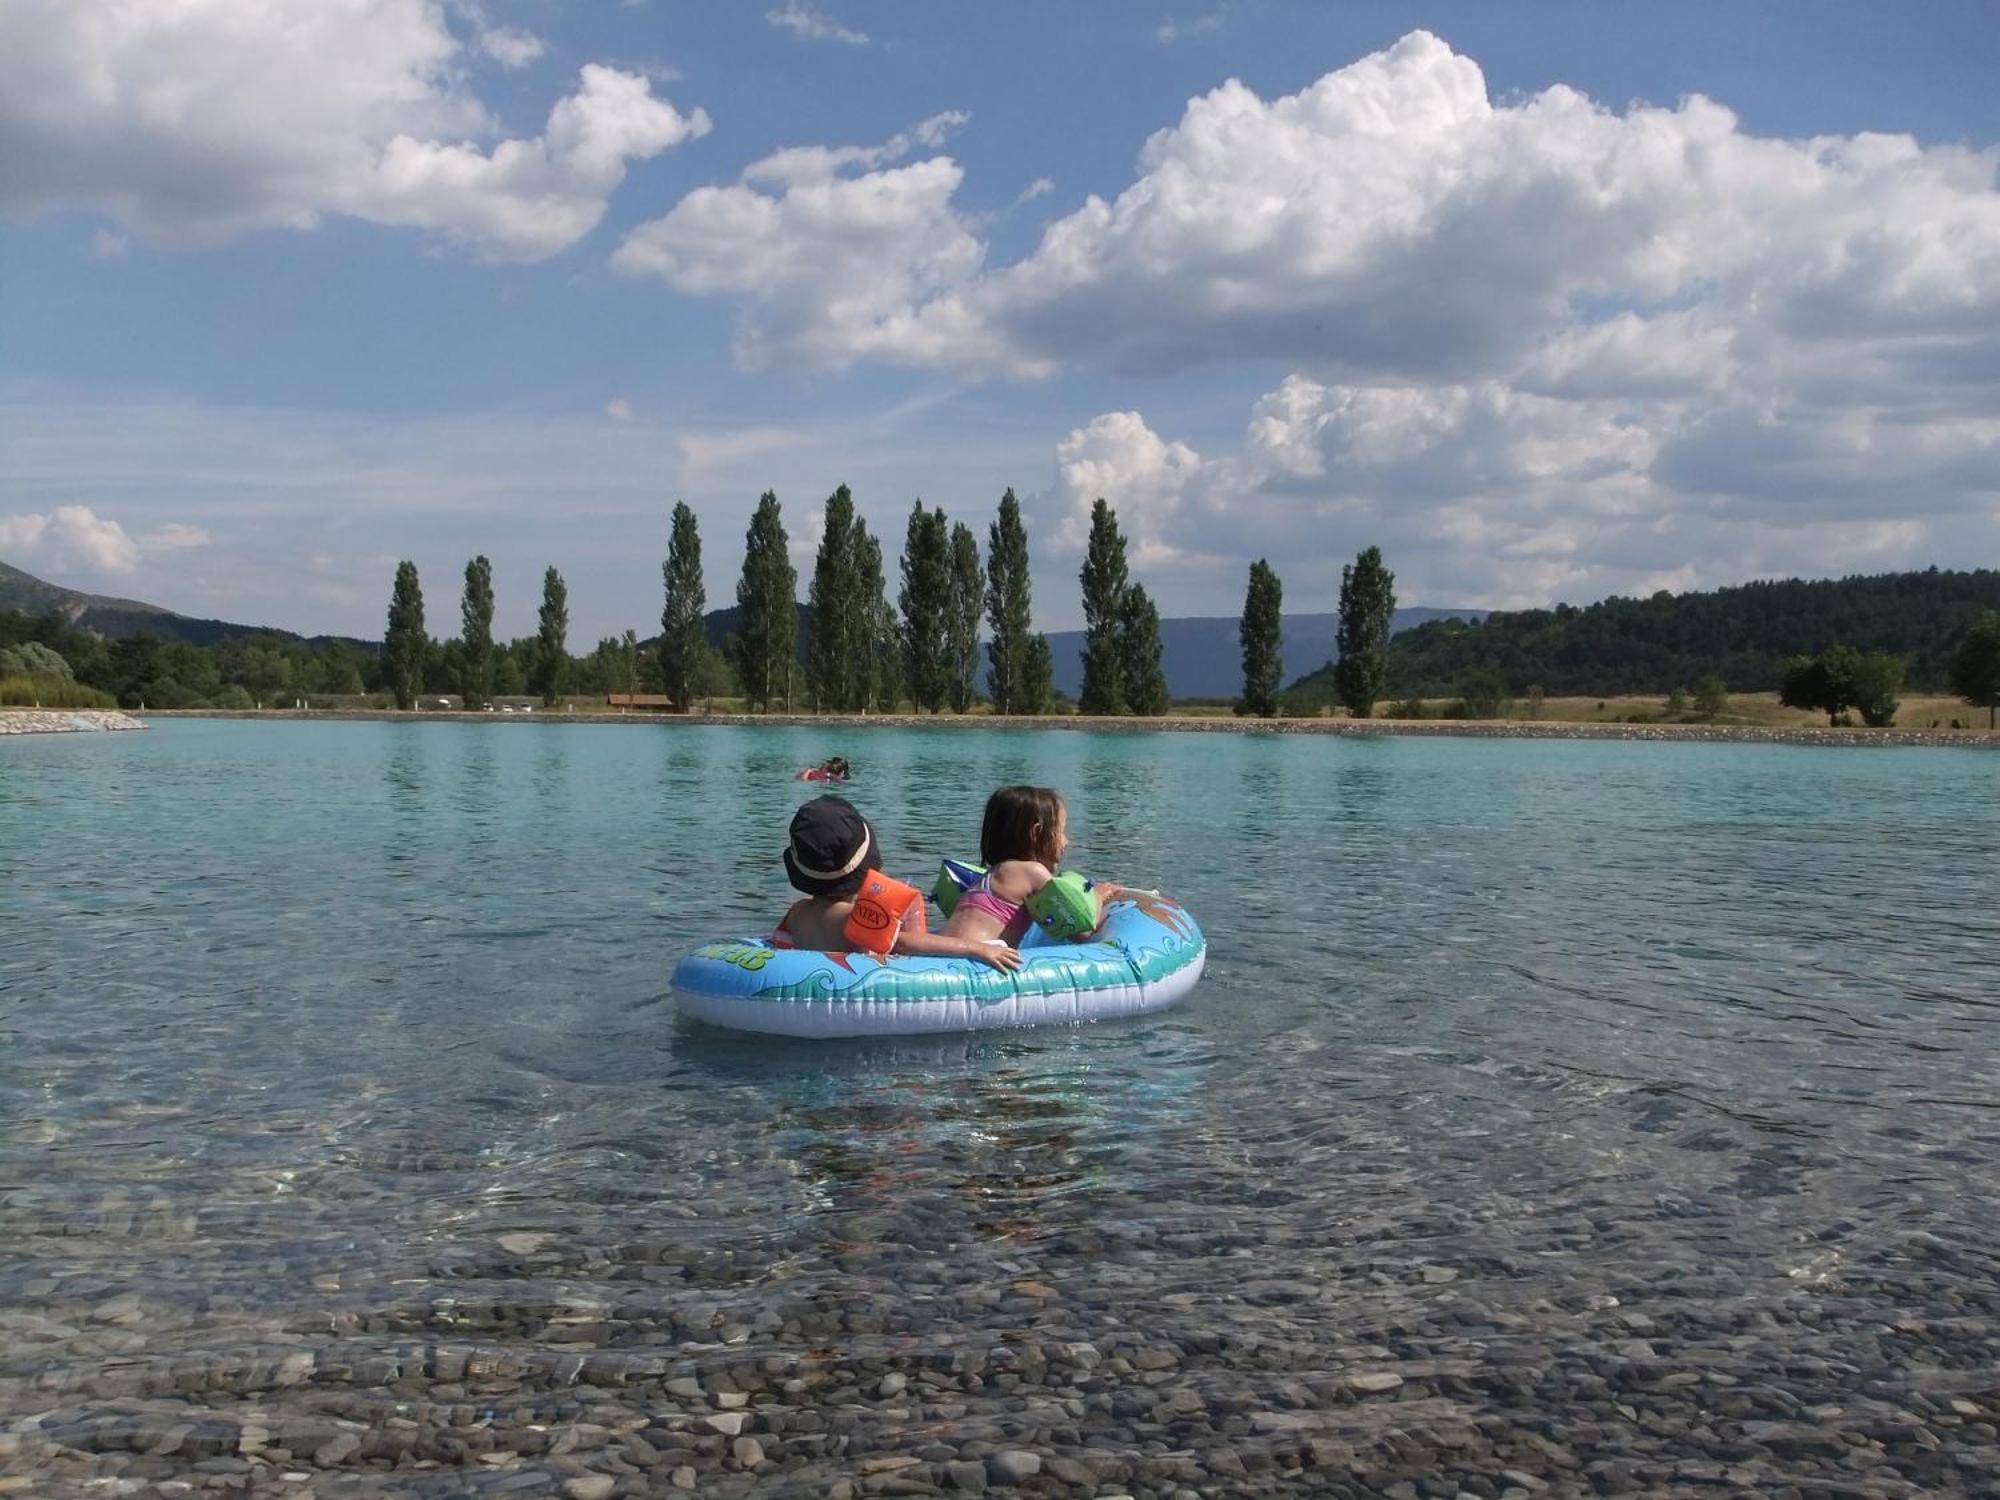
(832, 848)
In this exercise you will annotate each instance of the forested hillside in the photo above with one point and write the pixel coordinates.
(1742, 634)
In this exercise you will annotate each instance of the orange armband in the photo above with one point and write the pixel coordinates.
(881, 911)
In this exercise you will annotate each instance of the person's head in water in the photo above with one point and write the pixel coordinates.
(835, 766)
(832, 848)
(1025, 823)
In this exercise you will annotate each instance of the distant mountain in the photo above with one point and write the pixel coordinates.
(1203, 654)
(116, 619)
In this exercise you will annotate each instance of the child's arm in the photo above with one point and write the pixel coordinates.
(937, 945)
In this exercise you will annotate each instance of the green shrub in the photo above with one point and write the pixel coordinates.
(51, 692)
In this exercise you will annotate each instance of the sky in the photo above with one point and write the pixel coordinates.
(1548, 301)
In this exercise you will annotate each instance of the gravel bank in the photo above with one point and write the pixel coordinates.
(62, 720)
(1184, 724)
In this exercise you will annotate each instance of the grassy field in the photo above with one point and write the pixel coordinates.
(1918, 711)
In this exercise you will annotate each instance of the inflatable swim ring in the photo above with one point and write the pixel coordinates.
(1146, 955)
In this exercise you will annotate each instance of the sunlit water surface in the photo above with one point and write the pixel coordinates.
(325, 1047)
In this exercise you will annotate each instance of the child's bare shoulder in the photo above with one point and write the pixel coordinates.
(1017, 878)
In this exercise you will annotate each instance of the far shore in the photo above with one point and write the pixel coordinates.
(1518, 729)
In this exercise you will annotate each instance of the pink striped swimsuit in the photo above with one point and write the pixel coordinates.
(1011, 915)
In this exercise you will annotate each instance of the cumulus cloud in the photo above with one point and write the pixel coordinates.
(1602, 346)
(69, 537)
(833, 266)
(1392, 222)
(190, 124)
(804, 22)
(1487, 494)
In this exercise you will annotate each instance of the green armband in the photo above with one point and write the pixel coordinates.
(953, 881)
(1066, 907)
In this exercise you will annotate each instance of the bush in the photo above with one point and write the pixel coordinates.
(51, 692)
(1711, 697)
(1409, 708)
(1483, 693)
(33, 659)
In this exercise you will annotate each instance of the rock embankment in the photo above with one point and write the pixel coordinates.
(63, 720)
(1489, 729)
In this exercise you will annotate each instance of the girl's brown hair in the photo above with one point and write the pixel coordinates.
(1020, 823)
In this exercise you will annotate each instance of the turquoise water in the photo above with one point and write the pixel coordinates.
(349, 1039)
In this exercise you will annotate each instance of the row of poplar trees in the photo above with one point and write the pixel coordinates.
(1361, 639)
(407, 645)
(861, 653)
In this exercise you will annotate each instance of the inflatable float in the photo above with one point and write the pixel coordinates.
(1144, 956)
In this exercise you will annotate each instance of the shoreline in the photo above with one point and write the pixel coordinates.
(1169, 724)
(65, 720)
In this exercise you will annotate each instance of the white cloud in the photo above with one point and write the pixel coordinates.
(1487, 494)
(809, 24)
(797, 166)
(192, 123)
(511, 47)
(704, 453)
(175, 536)
(69, 537)
(1392, 223)
(619, 409)
(1169, 32)
(832, 266)
(1041, 187)
(108, 246)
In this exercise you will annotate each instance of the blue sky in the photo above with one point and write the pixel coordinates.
(1550, 301)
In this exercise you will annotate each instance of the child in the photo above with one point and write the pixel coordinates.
(850, 904)
(833, 768)
(1022, 839)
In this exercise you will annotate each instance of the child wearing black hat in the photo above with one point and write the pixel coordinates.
(850, 904)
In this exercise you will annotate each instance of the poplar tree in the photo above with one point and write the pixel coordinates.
(1103, 579)
(552, 640)
(682, 636)
(962, 623)
(405, 645)
(1139, 652)
(767, 640)
(1367, 604)
(1038, 674)
(1975, 666)
(926, 604)
(1007, 613)
(475, 679)
(1262, 634)
(836, 652)
(881, 640)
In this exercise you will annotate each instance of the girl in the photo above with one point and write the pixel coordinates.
(1022, 839)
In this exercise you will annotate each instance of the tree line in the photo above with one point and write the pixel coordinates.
(1746, 635)
(851, 651)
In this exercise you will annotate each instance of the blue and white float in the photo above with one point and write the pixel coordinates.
(1145, 955)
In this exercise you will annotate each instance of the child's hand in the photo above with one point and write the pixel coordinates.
(1003, 958)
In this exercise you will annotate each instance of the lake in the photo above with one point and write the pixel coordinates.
(1598, 1116)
